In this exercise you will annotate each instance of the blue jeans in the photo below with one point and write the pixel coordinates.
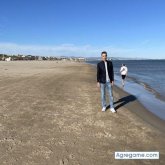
(103, 87)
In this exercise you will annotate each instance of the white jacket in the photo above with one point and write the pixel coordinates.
(123, 70)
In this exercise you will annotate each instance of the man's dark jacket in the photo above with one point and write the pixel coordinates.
(101, 72)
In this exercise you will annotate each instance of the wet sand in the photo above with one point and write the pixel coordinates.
(50, 113)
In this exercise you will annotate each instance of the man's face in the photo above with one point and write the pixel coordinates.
(104, 56)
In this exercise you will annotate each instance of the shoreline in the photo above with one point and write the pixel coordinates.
(147, 98)
(147, 87)
(50, 113)
(141, 111)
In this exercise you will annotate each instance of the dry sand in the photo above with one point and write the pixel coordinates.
(50, 113)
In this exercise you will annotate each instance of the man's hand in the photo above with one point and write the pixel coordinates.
(112, 83)
(98, 84)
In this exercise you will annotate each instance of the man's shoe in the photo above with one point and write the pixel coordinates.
(112, 110)
(103, 109)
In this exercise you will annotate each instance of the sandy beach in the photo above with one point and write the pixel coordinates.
(50, 113)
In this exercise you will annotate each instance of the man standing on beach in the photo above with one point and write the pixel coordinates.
(105, 80)
(123, 71)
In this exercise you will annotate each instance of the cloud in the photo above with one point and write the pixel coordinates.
(62, 50)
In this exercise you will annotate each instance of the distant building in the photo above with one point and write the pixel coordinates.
(80, 59)
(40, 58)
(8, 59)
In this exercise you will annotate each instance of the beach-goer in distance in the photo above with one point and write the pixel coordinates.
(105, 80)
(123, 71)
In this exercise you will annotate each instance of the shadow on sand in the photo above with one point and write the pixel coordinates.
(123, 101)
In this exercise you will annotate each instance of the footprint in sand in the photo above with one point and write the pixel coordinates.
(64, 161)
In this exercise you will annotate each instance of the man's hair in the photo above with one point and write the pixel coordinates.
(104, 52)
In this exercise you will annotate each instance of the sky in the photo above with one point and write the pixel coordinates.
(123, 28)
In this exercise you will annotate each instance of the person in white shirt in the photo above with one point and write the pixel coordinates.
(124, 72)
